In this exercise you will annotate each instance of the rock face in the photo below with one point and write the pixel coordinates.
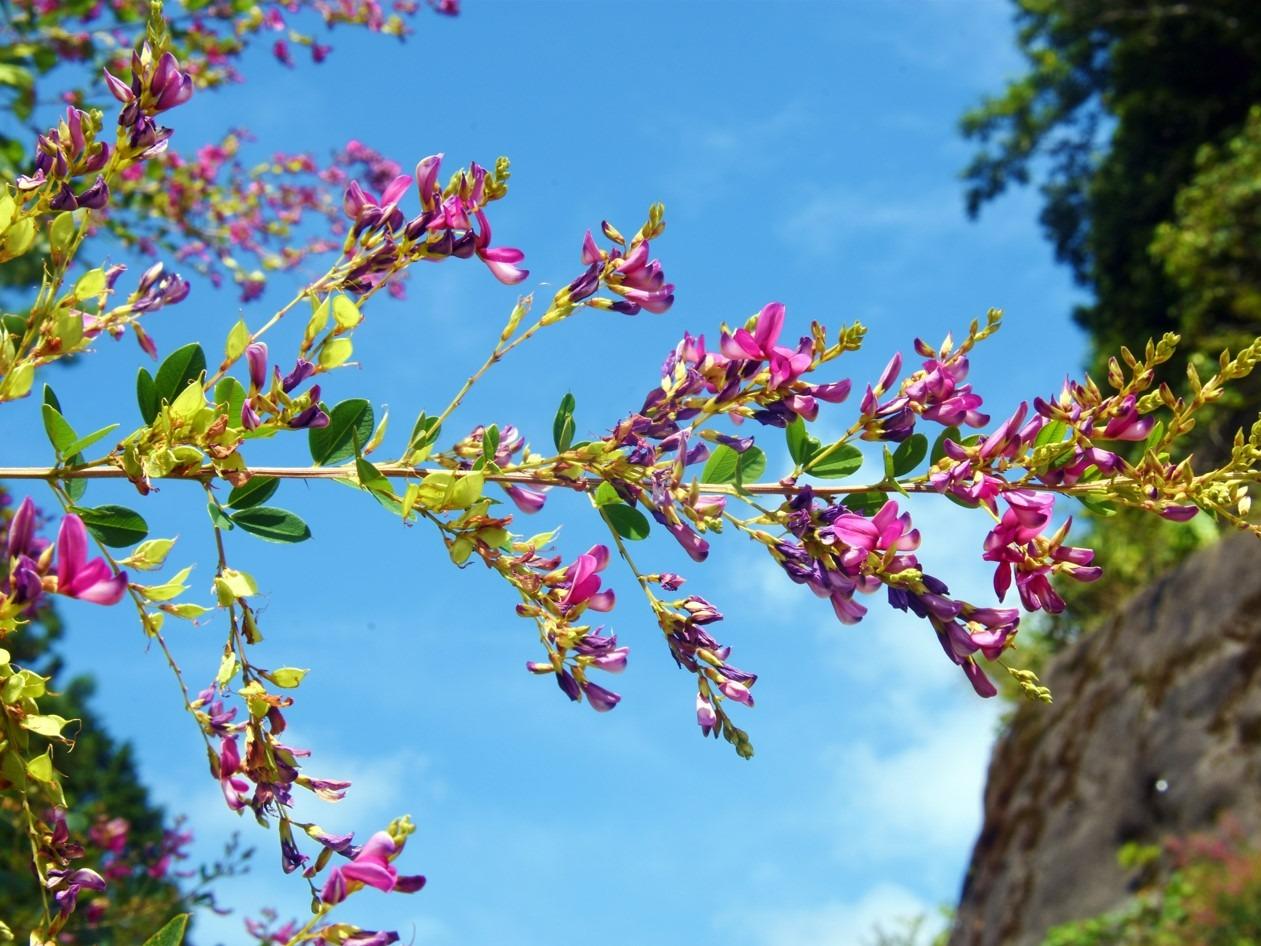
(1156, 730)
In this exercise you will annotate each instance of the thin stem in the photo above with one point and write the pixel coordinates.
(582, 484)
(138, 601)
(492, 359)
(268, 325)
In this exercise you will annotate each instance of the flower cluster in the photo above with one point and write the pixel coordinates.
(37, 567)
(279, 400)
(935, 392)
(557, 598)
(687, 463)
(68, 151)
(452, 223)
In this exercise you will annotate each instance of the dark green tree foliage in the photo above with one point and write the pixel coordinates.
(106, 786)
(1118, 101)
(1133, 120)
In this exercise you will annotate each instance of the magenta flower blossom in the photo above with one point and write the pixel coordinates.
(77, 577)
(370, 867)
(168, 86)
(427, 181)
(22, 537)
(786, 364)
(234, 789)
(1179, 513)
(936, 392)
(884, 532)
(582, 583)
(1126, 424)
(1023, 554)
(368, 212)
(1028, 513)
(502, 260)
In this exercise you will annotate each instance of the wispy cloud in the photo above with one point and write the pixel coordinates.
(921, 799)
(841, 922)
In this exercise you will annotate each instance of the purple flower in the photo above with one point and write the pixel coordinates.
(706, 717)
(527, 499)
(22, 538)
(256, 356)
(302, 370)
(66, 885)
(168, 86)
(600, 699)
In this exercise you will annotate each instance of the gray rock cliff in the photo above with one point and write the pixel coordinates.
(1155, 730)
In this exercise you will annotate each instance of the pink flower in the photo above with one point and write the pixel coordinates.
(79, 578)
(584, 584)
(884, 531)
(370, 867)
(500, 260)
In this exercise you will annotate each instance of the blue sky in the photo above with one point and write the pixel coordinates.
(806, 153)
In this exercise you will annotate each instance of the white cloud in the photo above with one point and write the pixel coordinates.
(843, 923)
(921, 798)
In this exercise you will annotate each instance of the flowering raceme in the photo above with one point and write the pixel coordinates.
(690, 461)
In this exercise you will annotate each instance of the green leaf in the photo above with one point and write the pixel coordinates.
(348, 421)
(75, 488)
(346, 314)
(372, 479)
(1053, 432)
(40, 768)
(219, 517)
(605, 494)
(238, 338)
(181, 367)
(88, 439)
(726, 465)
(334, 353)
(866, 504)
(170, 935)
(50, 398)
(909, 454)
(490, 442)
(1098, 506)
(721, 466)
(801, 444)
(626, 521)
(146, 396)
(563, 425)
(230, 394)
(272, 524)
(90, 284)
(115, 526)
(752, 464)
(60, 434)
(939, 445)
(256, 491)
(286, 677)
(424, 434)
(837, 464)
(467, 490)
(61, 234)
